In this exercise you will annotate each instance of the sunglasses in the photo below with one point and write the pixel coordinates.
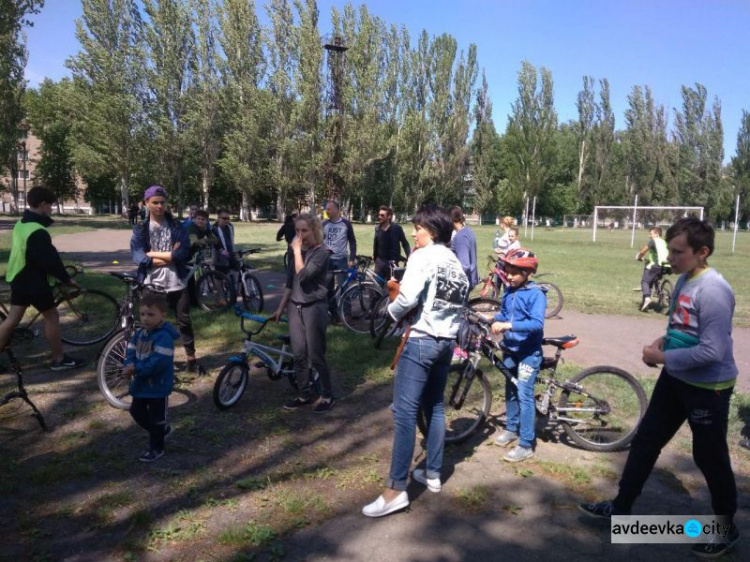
(224, 218)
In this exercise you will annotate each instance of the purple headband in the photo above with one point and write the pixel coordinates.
(154, 191)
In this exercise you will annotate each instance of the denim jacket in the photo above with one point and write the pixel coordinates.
(140, 244)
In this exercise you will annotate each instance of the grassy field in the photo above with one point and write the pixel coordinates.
(236, 484)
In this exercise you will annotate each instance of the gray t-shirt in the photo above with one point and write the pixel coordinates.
(165, 277)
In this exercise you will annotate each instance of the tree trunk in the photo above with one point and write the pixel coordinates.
(205, 185)
(581, 158)
(124, 192)
(245, 208)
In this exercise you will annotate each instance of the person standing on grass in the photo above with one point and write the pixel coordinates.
(287, 230)
(32, 263)
(224, 231)
(695, 384)
(435, 284)
(521, 321)
(338, 236)
(160, 246)
(388, 237)
(149, 363)
(464, 245)
(305, 302)
(201, 238)
(501, 241)
(655, 255)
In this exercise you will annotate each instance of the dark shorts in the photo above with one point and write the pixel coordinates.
(41, 301)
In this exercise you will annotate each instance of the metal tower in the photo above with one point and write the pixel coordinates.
(336, 60)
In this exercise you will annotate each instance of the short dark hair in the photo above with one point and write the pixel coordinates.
(39, 195)
(201, 213)
(387, 209)
(656, 229)
(156, 300)
(437, 221)
(457, 214)
(699, 233)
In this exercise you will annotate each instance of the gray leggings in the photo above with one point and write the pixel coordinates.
(307, 331)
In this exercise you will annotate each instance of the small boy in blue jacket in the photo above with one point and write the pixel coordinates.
(149, 363)
(521, 321)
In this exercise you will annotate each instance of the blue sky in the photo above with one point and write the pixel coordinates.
(661, 43)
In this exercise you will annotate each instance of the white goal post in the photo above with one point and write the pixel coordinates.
(600, 215)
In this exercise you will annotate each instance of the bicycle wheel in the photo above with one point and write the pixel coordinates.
(357, 305)
(90, 317)
(112, 384)
(466, 400)
(215, 292)
(665, 295)
(484, 305)
(379, 316)
(252, 293)
(554, 299)
(601, 408)
(230, 385)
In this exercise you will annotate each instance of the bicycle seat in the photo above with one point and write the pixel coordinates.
(284, 338)
(564, 342)
(126, 277)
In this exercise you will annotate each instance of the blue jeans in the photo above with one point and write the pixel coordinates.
(420, 379)
(519, 400)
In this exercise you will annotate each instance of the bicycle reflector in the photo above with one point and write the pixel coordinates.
(571, 344)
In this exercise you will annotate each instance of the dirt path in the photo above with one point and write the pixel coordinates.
(611, 340)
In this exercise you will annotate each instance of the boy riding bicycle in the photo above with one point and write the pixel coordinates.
(655, 255)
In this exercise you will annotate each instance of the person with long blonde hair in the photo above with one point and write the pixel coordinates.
(306, 304)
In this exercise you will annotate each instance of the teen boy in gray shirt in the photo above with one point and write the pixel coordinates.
(695, 384)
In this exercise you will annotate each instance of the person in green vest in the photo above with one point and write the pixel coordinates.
(655, 255)
(32, 266)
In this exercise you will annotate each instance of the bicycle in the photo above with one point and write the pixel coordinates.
(87, 316)
(20, 392)
(662, 289)
(255, 358)
(247, 285)
(214, 290)
(494, 285)
(599, 408)
(354, 299)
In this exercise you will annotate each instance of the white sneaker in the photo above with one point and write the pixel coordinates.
(646, 304)
(380, 507)
(433, 484)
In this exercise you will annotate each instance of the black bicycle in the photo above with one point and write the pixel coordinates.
(599, 408)
(247, 284)
(87, 316)
(662, 289)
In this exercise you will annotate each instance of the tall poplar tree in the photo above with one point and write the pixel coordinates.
(109, 74)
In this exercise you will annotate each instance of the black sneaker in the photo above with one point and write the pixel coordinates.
(151, 456)
(297, 403)
(718, 546)
(601, 510)
(324, 405)
(67, 363)
(193, 367)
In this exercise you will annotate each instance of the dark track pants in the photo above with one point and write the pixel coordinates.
(707, 413)
(307, 332)
(151, 415)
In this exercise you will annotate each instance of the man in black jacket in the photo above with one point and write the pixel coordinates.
(388, 236)
(33, 260)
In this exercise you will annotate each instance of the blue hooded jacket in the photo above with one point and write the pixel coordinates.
(524, 308)
(152, 353)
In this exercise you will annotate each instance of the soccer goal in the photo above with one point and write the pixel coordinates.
(630, 217)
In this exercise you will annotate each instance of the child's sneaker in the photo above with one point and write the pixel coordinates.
(433, 484)
(646, 304)
(67, 362)
(519, 454)
(506, 438)
(718, 546)
(324, 405)
(151, 456)
(297, 403)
